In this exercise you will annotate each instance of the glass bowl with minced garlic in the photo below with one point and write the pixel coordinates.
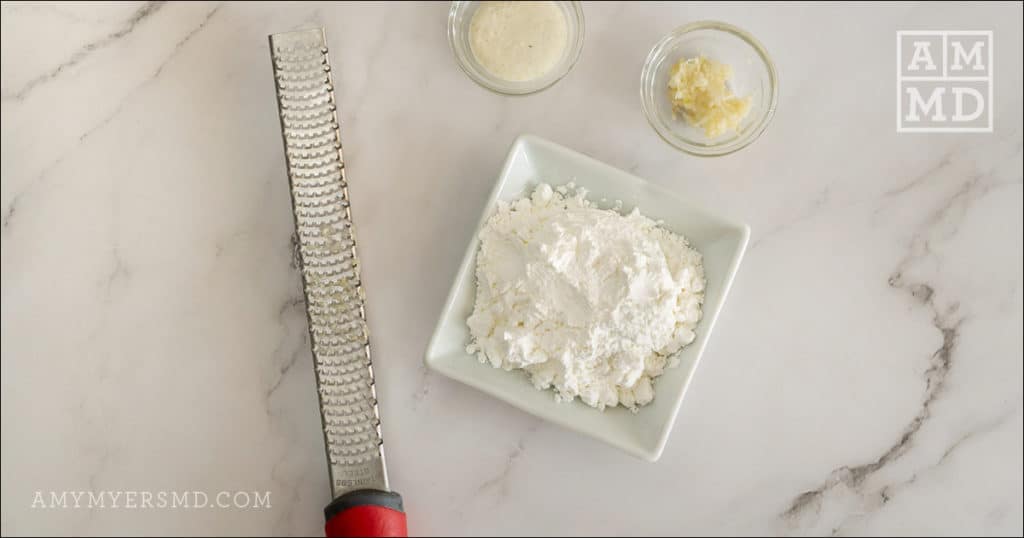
(709, 88)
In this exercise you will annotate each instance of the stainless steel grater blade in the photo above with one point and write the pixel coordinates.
(330, 267)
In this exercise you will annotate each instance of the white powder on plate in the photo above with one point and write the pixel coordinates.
(585, 300)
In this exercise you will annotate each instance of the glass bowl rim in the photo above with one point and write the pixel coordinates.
(733, 145)
(575, 50)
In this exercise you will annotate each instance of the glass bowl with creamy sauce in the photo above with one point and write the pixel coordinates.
(753, 75)
(516, 48)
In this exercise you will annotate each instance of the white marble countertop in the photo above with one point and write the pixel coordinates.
(864, 377)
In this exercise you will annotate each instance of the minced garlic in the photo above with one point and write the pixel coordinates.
(699, 91)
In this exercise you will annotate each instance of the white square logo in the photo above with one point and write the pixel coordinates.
(944, 81)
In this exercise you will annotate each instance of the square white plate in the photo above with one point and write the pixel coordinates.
(722, 242)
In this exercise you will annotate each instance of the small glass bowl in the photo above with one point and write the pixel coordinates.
(459, 16)
(753, 74)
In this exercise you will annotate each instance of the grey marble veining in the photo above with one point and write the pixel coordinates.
(864, 377)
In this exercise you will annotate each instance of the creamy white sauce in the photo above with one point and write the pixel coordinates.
(518, 41)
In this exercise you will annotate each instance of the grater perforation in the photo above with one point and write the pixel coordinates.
(322, 151)
(328, 260)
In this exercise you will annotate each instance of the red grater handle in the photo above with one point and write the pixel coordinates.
(366, 512)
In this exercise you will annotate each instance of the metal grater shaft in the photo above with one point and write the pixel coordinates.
(330, 268)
